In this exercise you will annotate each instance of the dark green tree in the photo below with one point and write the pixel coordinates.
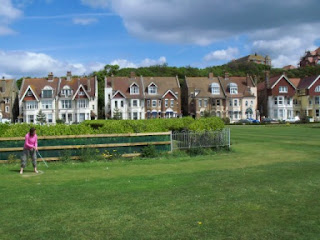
(41, 117)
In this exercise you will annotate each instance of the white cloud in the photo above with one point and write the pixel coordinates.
(224, 54)
(123, 63)
(22, 63)
(263, 23)
(84, 21)
(8, 13)
(96, 3)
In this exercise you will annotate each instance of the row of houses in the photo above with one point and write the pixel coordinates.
(75, 99)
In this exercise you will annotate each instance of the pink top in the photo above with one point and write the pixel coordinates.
(31, 141)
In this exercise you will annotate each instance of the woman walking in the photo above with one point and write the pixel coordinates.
(30, 149)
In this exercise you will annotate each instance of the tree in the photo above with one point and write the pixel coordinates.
(117, 115)
(41, 117)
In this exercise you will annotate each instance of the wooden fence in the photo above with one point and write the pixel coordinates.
(53, 148)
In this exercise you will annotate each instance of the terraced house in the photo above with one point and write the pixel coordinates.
(232, 97)
(277, 97)
(308, 96)
(142, 97)
(8, 100)
(70, 99)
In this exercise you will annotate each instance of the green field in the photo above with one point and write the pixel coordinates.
(266, 187)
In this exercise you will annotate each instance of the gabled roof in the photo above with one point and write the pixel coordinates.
(278, 80)
(83, 89)
(88, 83)
(123, 84)
(33, 92)
(163, 84)
(169, 91)
(307, 82)
(37, 84)
(244, 85)
(118, 92)
(203, 85)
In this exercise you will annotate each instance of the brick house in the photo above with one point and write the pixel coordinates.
(276, 97)
(311, 58)
(142, 97)
(232, 97)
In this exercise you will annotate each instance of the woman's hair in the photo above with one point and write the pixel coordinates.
(32, 131)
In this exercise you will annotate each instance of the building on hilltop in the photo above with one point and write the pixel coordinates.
(255, 58)
(142, 97)
(311, 58)
(70, 99)
(9, 110)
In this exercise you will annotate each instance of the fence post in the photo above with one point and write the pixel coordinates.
(229, 138)
(171, 140)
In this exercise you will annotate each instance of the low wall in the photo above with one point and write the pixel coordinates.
(51, 148)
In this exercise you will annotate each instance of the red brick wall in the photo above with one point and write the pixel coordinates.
(283, 82)
(312, 89)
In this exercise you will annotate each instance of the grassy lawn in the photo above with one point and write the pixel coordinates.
(266, 187)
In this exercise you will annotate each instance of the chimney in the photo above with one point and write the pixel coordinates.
(226, 76)
(267, 79)
(132, 75)
(247, 79)
(50, 76)
(284, 73)
(211, 75)
(69, 75)
(88, 84)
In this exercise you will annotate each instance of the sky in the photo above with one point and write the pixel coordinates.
(82, 36)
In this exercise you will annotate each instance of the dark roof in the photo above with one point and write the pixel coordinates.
(306, 82)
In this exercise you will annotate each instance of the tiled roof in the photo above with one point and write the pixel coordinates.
(295, 81)
(163, 83)
(306, 82)
(242, 82)
(75, 82)
(123, 84)
(37, 84)
(203, 85)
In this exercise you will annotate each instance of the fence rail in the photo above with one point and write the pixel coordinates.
(205, 139)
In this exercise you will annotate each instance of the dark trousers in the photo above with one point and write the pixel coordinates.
(26, 153)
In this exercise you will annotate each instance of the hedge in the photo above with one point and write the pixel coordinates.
(115, 126)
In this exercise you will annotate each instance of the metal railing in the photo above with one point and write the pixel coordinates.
(204, 139)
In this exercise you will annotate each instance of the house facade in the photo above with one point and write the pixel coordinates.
(8, 100)
(70, 99)
(232, 97)
(308, 96)
(277, 97)
(142, 97)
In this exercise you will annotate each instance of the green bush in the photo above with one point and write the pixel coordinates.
(149, 152)
(115, 126)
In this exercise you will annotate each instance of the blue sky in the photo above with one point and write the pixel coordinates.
(40, 36)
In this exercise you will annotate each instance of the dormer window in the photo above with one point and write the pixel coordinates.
(233, 88)
(317, 89)
(134, 89)
(66, 91)
(215, 88)
(283, 89)
(152, 89)
(47, 92)
(29, 93)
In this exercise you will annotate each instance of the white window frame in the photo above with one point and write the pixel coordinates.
(134, 89)
(317, 100)
(7, 109)
(172, 103)
(275, 101)
(30, 105)
(31, 117)
(82, 103)
(280, 101)
(205, 103)
(65, 104)
(46, 104)
(7, 100)
(235, 102)
(317, 89)
(152, 89)
(135, 103)
(154, 103)
(283, 89)
(233, 88)
(200, 102)
(49, 118)
(166, 103)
